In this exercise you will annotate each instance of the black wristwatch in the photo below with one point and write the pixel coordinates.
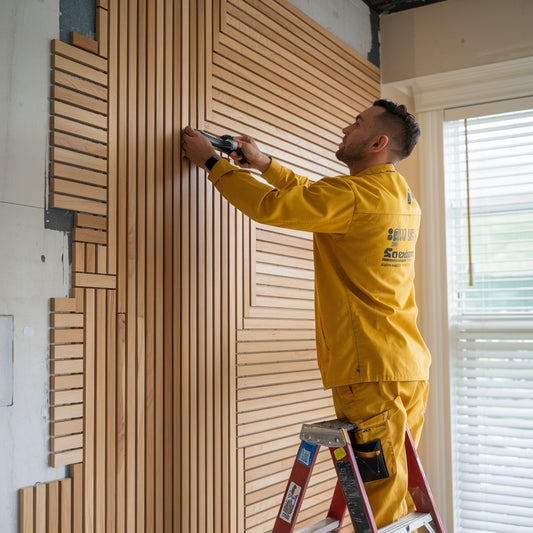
(210, 163)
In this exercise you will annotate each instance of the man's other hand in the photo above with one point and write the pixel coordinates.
(256, 159)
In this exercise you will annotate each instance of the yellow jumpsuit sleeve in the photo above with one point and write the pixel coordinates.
(283, 178)
(326, 206)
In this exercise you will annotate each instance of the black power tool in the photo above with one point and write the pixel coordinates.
(225, 144)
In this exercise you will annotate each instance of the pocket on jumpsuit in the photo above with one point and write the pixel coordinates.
(373, 448)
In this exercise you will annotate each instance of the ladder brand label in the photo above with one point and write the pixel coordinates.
(291, 499)
(307, 453)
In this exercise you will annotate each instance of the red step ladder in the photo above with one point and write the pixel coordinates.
(349, 492)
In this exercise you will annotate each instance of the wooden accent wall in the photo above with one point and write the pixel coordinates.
(183, 362)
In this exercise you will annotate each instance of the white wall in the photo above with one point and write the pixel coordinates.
(33, 261)
(453, 35)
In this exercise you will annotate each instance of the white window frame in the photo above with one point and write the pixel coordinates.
(433, 95)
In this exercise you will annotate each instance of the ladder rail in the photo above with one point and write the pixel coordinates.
(418, 485)
(349, 491)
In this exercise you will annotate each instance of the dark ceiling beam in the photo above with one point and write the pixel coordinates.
(383, 7)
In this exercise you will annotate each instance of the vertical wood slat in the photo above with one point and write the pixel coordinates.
(146, 255)
(192, 375)
(126, 133)
(52, 507)
(77, 497)
(110, 363)
(183, 258)
(102, 33)
(89, 412)
(65, 505)
(168, 274)
(177, 260)
(26, 510)
(160, 105)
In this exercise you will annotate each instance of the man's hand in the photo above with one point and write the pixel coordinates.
(252, 154)
(197, 147)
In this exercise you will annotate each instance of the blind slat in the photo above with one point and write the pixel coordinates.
(491, 321)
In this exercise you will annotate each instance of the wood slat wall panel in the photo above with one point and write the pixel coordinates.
(183, 363)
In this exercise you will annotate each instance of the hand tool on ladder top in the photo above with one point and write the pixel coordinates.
(349, 492)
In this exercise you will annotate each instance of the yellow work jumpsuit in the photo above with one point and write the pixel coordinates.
(369, 350)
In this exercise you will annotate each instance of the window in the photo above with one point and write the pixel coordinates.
(489, 217)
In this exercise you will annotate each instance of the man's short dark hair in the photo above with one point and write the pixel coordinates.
(401, 125)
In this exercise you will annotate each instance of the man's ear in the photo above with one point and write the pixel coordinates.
(379, 143)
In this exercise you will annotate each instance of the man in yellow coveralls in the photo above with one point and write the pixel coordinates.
(365, 226)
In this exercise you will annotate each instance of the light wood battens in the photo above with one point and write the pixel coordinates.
(183, 362)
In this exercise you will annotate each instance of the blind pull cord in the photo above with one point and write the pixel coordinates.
(470, 265)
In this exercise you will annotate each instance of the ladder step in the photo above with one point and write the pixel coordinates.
(408, 523)
(328, 524)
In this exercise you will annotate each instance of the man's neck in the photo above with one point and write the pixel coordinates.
(356, 167)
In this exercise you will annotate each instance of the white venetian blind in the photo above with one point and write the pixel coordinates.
(489, 198)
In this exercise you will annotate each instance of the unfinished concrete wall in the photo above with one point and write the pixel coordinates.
(34, 262)
(352, 21)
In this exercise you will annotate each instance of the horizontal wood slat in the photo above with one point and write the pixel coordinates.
(63, 305)
(66, 382)
(89, 235)
(67, 396)
(63, 412)
(83, 220)
(74, 203)
(66, 366)
(66, 427)
(66, 335)
(100, 281)
(266, 334)
(66, 351)
(66, 320)
(66, 458)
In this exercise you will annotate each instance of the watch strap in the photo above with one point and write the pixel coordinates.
(210, 163)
